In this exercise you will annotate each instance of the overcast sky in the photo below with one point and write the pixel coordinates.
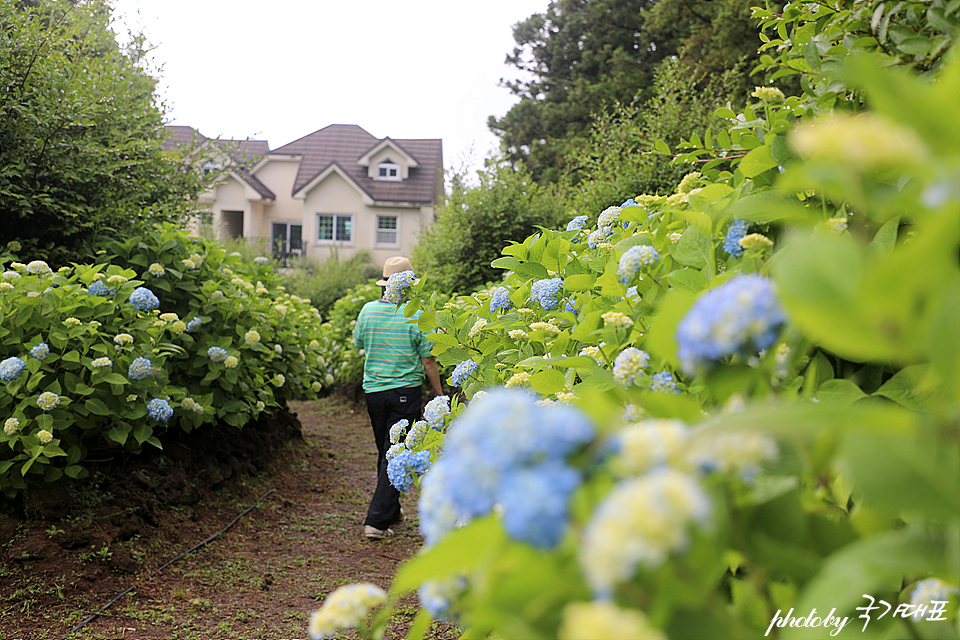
(281, 69)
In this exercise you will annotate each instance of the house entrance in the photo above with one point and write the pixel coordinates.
(287, 241)
(232, 222)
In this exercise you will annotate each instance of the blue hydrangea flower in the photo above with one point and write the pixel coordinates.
(11, 368)
(217, 354)
(40, 351)
(597, 236)
(495, 438)
(405, 466)
(439, 598)
(417, 433)
(664, 382)
(159, 409)
(633, 258)
(629, 364)
(194, 324)
(143, 299)
(628, 203)
(140, 369)
(38, 267)
(577, 223)
(500, 299)
(931, 590)
(463, 371)
(261, 260)
(397, 430)
(731, 242)
(48, 401)
(546, 292)
(741, 316)
(569, 308)
(608, 216)
(436, 410)
(535, 502)
(98, 288)
(396, 283)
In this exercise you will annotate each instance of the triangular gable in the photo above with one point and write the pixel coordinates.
(410, 161)
(333, 167)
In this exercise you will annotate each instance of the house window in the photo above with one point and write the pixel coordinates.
(388, 170)
(387, 230)
(334, 228)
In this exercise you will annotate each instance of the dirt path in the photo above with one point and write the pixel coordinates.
(261, 579)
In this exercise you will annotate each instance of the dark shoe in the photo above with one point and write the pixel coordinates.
(372, 533)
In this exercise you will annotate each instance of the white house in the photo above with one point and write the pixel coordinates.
(339, 189)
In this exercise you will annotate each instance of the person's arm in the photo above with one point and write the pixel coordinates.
(433, 374)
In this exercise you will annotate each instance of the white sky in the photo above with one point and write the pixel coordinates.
(281, 69)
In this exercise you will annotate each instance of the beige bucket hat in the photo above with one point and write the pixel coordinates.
(393, 265)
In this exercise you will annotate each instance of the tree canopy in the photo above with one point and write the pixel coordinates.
(584, 56)
(80, 130)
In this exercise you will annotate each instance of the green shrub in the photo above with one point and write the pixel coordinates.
(224, 343)
(324, 281)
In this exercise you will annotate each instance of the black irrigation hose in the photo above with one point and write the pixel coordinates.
(96, 615)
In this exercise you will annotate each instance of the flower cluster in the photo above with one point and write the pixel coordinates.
(416, 435)
(123, 338)
(617, 320)
(463, 371)
(546, 292)
(405, 466)
(195, 323)
(189, 404)
(518, 334)
(41, 351)
(159, 409)
(500, 299)
(639, 523)
(396, 284)
(577, 223)
(925, 592)
(755, 242)
(143, 299)
(608, 216)
(345, 608)
(217, 354)
(438, 597)
(506, 450)
(435, 411)
(546, 327)
(633, 258)
(38, 268)
(101, 362)
(44, 436)
(770, 95)
(604, 619)
(598, 236)
(48, 401)
(398, 430)
(740, 316)
(11, 368)
(518, 379)
(11, 426)
(477, 327)
(735, 233)
(629, 364)
(688, 182)
(231, 362)
(98, 288)
(156, 270)
(663, 382)
(261, 260)
(140, 369)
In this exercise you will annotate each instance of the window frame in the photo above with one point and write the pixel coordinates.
(395, 230)
(336, 218)
(388, 166)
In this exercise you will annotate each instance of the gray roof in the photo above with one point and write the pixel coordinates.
(345, 144)
(244, 152)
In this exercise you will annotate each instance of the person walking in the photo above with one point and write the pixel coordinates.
(397, 356)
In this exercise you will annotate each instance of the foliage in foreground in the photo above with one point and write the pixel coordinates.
(165, 331)
(752, 386)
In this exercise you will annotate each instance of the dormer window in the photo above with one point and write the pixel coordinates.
(388, 170)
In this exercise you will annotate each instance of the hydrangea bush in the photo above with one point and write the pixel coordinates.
(152, 337)
(698, 438)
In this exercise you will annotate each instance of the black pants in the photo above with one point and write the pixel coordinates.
(386, 408)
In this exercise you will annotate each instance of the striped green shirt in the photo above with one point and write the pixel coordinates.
(393, 347)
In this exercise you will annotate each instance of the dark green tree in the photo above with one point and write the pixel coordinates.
(580, 57)
(477, 221)
(80, 132)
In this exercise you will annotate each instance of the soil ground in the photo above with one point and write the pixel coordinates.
(259, 579)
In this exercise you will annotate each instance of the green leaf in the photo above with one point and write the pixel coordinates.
(548, 382)
(757, 161)
(839, 392)
(142, 432)
(693, 249)
(769, 206)
(97, 407)
(724, 112)
(509, 263)
(689, 280)
(660, 341)
(579, 282)
(662, 147)
(118, 433)
(115, 378)
(910, 388)
(532, 270)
